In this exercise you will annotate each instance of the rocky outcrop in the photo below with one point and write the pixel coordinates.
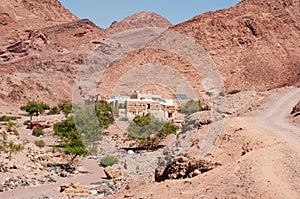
(139, 20)
(197, 120)
(182, 168)
(48, 12)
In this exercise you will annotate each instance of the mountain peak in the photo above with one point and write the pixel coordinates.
(138, 20)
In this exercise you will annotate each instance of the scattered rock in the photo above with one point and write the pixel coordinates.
(74, 188)
(111, 173)
(63, 174)
(131, 152)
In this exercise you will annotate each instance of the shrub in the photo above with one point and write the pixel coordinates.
(40, 143)
(9, 147)
(108, 161)
(71, 143)
(26, 122)
(5, 118)
(92, 119)
(234, 92)
(191, 107)
(53, 111)
(222, 94)
(34, 108)
(149, 131)
(37, 131)
(66, 108)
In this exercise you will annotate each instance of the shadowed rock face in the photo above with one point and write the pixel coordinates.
(182, 168)
(140, 20)
(255, 44)
(296, 109)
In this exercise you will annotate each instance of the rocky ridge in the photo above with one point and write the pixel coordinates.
(139, 20)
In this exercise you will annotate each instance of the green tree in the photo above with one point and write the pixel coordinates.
(149, 131)
(9, 147)
(92, 119)
(66, 108)
(71, 143)
(34, 108)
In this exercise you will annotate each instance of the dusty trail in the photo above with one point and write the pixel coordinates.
(280, 169)
(276, 118)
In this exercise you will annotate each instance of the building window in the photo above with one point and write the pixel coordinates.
(148, 106)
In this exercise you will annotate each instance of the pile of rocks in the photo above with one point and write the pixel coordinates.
(21, 182)
(74, 188)
(183, 167)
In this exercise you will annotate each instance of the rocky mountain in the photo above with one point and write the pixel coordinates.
(139, 20)
(34, 13)
(42, 43)
(254, 44)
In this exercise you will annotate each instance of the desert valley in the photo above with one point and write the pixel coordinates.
(208, 108)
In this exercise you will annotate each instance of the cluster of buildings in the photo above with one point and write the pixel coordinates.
(139, 103)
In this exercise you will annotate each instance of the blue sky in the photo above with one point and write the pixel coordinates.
(104, 12)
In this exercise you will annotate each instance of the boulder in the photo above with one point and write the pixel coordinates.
(296, 110)
(74, 188)
(112, 173)
(182, 168)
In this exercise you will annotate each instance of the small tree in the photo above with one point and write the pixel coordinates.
(66, 108)
(191, 107)
(37, 131)
(92, 119)
(34, 108)
(108, 161)
(9, 147)
(149, 131)
(71, 143)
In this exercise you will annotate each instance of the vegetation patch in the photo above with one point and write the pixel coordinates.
(38, 131)
(108, 161)
(5, 118)
(40, 143)
(149, 131)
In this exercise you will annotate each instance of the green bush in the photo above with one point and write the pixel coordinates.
(53, 111)
(222, 94)
(9, 147)
(34, 108)
(26, 122)
(66, 108)
(149, 131)
(5, 118)
(108, 161)
(191, 107)
(37, 131)
(92, 119)
(234, 92)
(71, 143)
(40, 143)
